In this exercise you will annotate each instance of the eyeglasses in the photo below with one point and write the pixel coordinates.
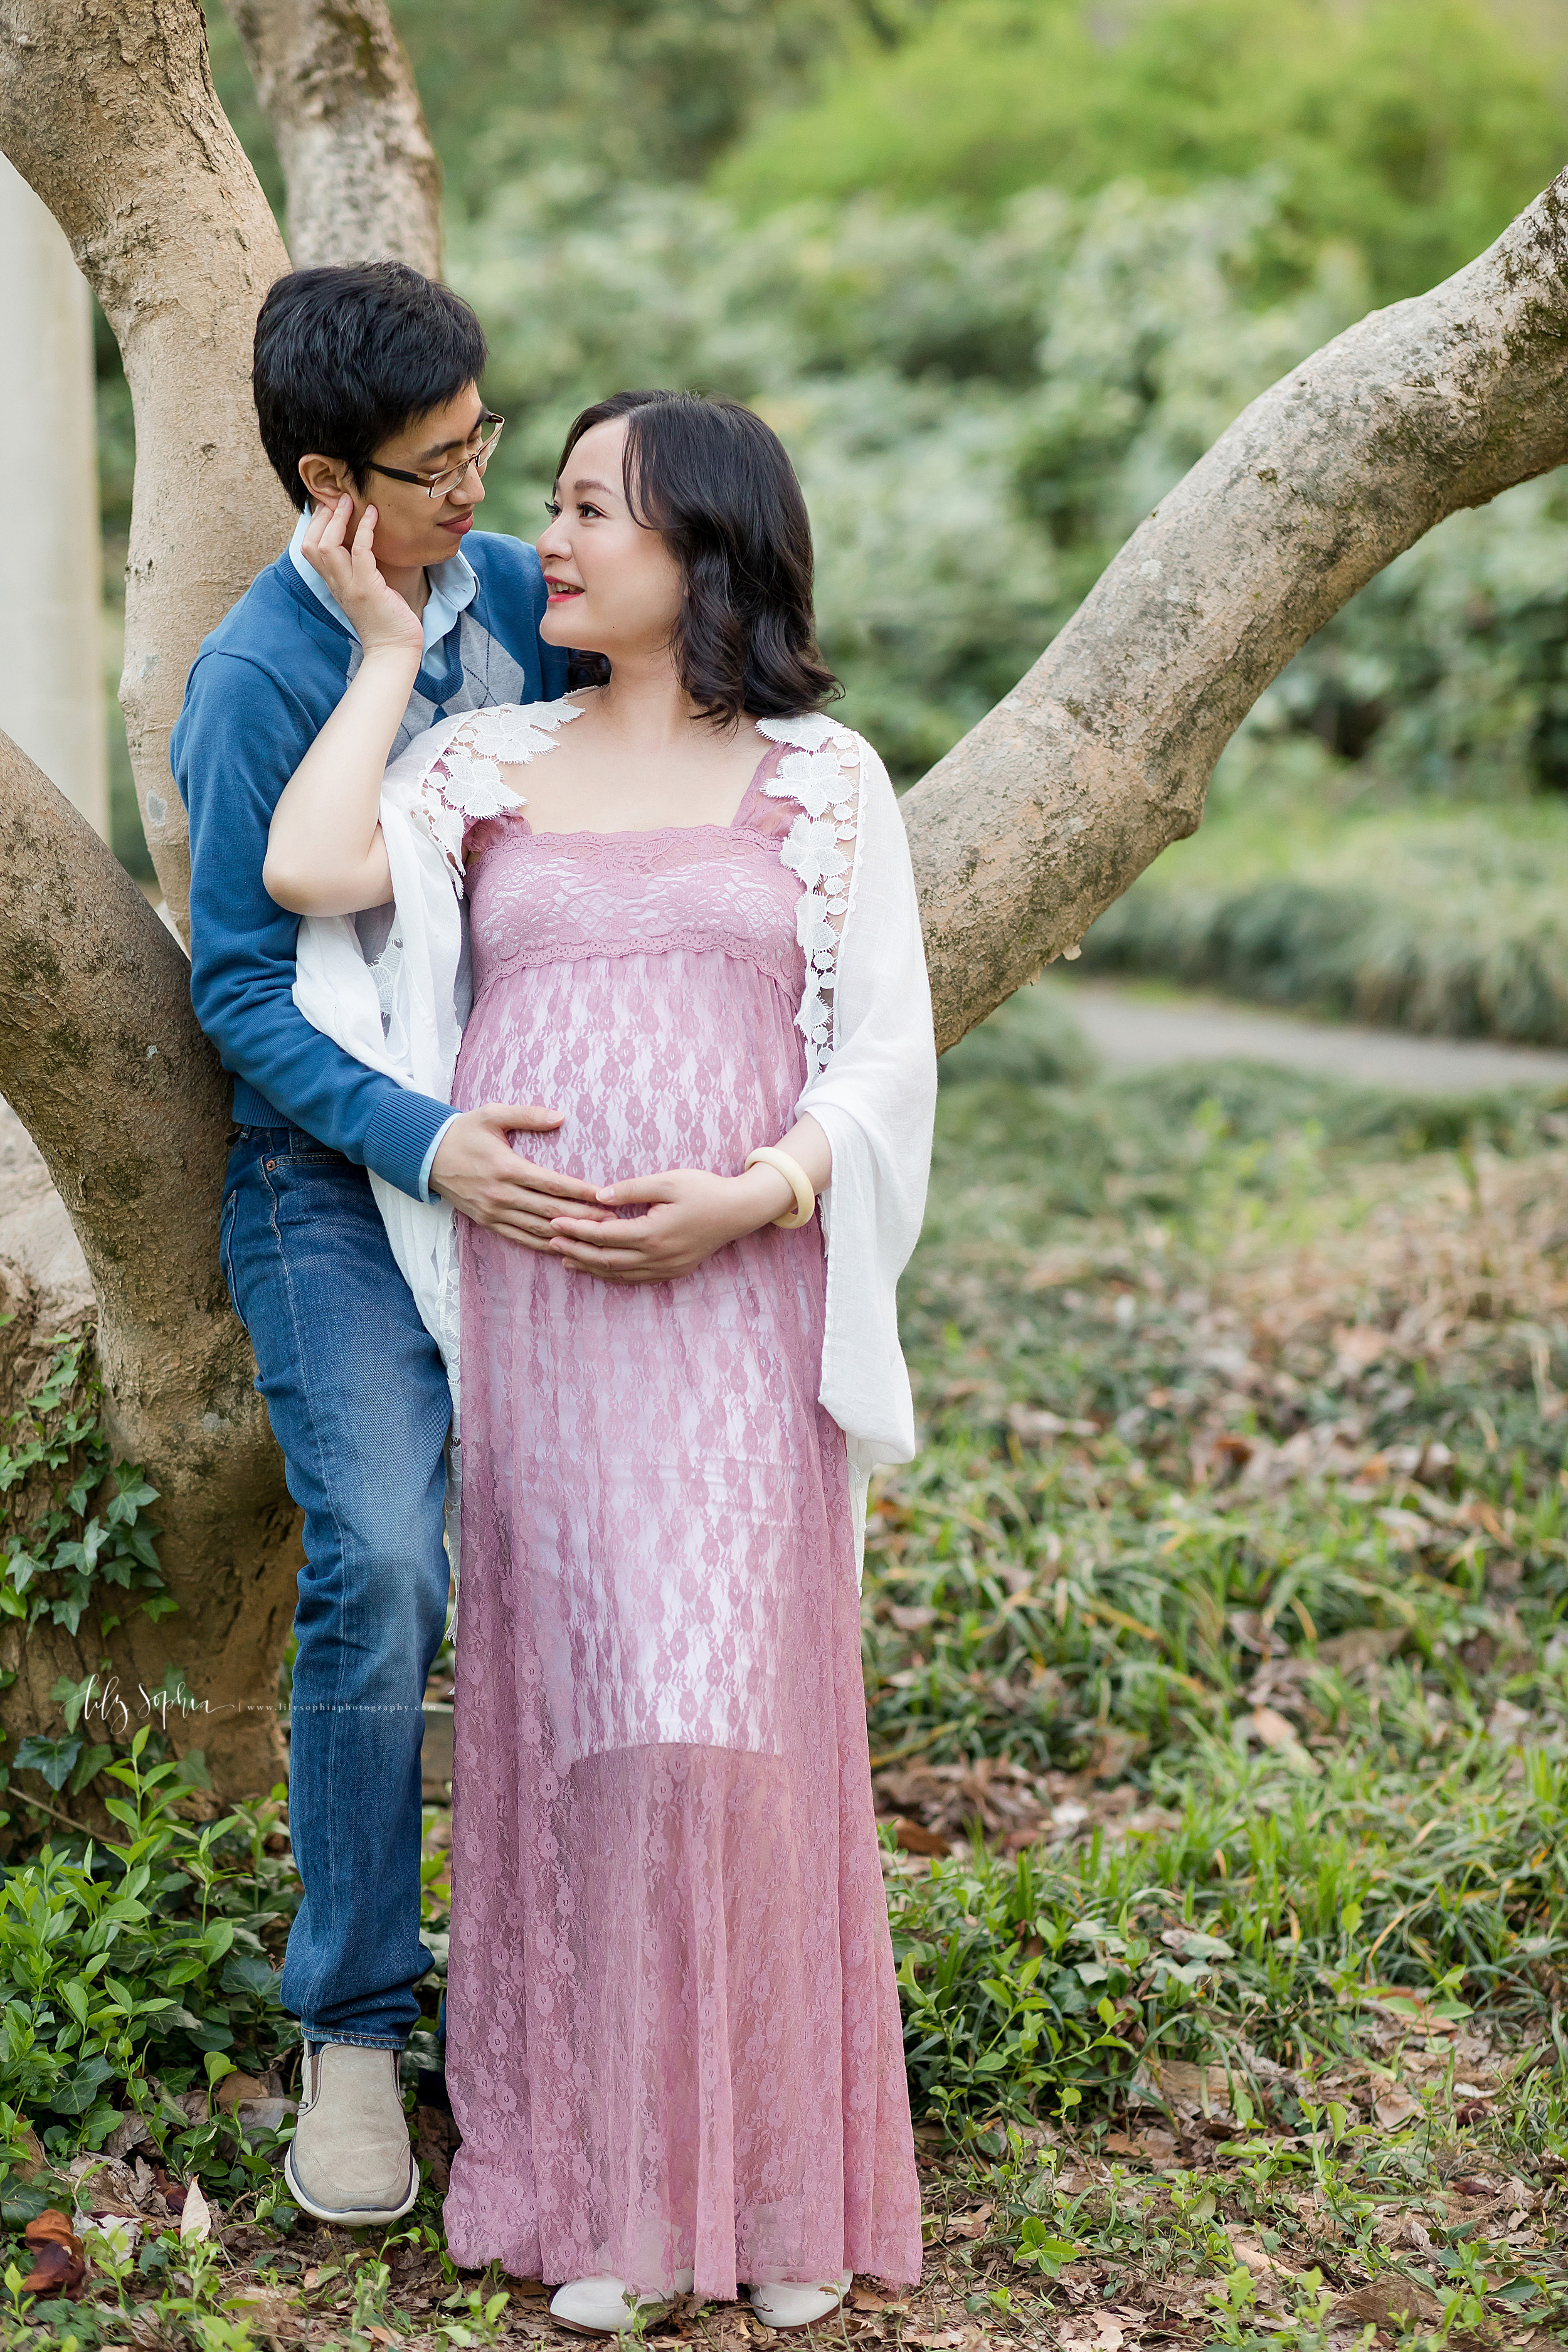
(441, 486)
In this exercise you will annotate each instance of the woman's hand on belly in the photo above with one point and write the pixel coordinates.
(689, 1216)
(478, 1169)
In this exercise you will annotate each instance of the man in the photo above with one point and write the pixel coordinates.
(366, 383)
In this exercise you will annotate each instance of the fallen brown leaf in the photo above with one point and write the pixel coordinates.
(1173, 2082)
(912, 1618)
(1357, 1345)
(435, 2141)
(1280, 1736)
(1259, 2260)
(59, 2259)
(1384, 2304)
(863, 2297)
(914, 1837)
(1153, 2145)
(1365, 1646)
(235, 2087)
(1395, 2106)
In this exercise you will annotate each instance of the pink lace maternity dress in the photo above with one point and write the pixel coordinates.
(673, 2031)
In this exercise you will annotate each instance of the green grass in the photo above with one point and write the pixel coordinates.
(1420, 915)
(1217, 1681)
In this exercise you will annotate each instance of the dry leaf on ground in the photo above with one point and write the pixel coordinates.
(195, 2213)
(1384, 2304)
(1172, 2081)
(1395, 2106)
(1258, 2260)
(1154, 2146)
(59, 2258)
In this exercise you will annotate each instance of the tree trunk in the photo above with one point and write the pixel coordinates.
(339, 94)
(51, 587)
(1100, 757)
(105, 1066)
(110, 113)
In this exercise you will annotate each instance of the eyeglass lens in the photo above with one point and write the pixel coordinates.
(478, 461)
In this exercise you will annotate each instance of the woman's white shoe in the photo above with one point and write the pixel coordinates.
(798, 2307)
(608, 2306)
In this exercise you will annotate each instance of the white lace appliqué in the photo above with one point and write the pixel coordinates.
(821, 772)
(463, 782)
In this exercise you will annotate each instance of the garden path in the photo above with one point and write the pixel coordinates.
(1133, 1027)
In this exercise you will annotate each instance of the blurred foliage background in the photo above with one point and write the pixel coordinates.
(999, 271)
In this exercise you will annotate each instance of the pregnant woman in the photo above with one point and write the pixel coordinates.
(673, 2033)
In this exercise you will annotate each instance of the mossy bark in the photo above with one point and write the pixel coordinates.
(104, 1062)
(339, 94)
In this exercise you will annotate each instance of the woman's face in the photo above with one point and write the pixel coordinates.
(615, 587)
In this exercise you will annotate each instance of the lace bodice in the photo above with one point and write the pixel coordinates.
(800, 806)
(555, 898)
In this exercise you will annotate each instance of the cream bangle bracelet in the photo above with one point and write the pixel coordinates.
(795, 1177)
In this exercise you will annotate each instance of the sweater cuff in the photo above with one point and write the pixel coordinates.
(429, 1156)
(401, 1140)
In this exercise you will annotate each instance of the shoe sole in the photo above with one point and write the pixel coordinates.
(351, 2217)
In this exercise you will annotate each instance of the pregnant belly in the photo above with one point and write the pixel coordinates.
(680, 1060)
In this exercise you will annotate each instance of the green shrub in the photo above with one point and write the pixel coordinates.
(140, 1958)
(1413, 129)
(1427, 917)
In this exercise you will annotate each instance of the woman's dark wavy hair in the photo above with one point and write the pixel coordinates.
(715, 482)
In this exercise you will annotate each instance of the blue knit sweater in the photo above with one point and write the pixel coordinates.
(260, 690)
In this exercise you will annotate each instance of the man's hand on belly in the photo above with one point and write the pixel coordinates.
(476, 1169)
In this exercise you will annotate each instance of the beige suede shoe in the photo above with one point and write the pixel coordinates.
(350, 2160)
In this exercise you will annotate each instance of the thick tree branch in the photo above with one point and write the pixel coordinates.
(363, 179)
(1100, 757)
(110, 113)
(105, 1067)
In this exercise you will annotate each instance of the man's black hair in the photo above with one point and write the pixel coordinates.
(348, 357)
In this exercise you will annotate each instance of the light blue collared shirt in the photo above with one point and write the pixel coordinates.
(453, 586)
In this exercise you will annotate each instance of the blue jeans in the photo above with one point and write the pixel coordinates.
(358, 1401)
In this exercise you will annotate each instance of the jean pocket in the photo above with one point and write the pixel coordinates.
(315, 1189)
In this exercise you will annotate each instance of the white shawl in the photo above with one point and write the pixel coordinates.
(865, 1016)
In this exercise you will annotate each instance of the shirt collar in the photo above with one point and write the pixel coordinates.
(453, 586)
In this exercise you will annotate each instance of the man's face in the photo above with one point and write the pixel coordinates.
(413, 529)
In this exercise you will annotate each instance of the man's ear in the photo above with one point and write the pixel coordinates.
(325, 478)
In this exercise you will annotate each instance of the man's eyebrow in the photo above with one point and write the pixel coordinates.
(439, 448)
